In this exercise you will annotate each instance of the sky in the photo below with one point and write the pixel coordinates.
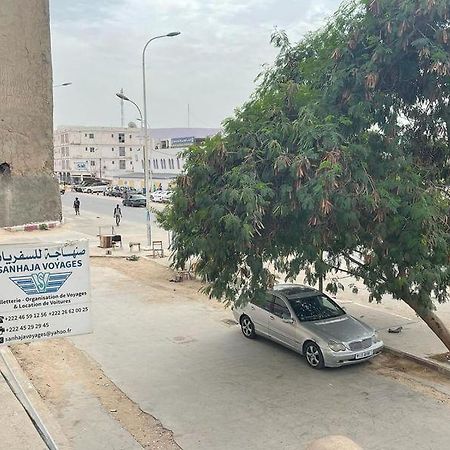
(97, 45)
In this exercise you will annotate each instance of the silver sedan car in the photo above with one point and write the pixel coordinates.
(311, 323)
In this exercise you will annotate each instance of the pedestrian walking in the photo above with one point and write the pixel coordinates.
(117, 214)
(76, 206)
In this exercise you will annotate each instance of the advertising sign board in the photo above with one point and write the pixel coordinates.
(81, 166)
(182, 141)
(44, 291)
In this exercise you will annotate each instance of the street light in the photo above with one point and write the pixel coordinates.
(144, 153)
(62, 84)
(148, 171)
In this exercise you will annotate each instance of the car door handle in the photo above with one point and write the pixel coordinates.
(271, 318)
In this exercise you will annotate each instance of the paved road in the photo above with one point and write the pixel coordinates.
(102, 205)
(176, 357)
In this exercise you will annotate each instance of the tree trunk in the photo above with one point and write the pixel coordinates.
(432, 320)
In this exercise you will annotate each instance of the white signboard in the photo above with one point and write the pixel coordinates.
(81, 166)
(44, 291)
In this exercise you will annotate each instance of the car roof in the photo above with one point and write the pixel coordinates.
(295, 290)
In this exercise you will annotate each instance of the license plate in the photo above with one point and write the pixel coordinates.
(362, 355)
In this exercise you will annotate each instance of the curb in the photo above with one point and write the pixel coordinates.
(35, 226)
(419, 360)
(35, 399)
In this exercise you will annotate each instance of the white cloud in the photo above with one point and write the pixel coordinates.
(97, 44)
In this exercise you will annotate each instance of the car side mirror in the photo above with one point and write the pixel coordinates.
(288, 320)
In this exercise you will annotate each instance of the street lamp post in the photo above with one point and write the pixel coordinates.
(148, 172)
(144, 153)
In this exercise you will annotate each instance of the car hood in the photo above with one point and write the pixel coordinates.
(340, 329)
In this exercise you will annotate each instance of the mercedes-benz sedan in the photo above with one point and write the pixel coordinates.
(311, 323)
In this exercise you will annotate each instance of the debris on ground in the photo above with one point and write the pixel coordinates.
(395, 330)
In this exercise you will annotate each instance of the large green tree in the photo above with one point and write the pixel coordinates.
(338, 163)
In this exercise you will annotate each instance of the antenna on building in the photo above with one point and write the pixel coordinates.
(121, 110)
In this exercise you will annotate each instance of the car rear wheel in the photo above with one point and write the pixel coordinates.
(89, 191)
(247, 327)
(313, 355)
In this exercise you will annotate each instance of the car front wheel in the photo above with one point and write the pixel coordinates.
(247, 327)
(313, 355)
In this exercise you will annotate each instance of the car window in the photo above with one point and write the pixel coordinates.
(315, 307)
(280, 309)
(266, 303)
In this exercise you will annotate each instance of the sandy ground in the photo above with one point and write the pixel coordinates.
(54, 366)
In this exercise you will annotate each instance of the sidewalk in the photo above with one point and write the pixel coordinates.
(18, 431)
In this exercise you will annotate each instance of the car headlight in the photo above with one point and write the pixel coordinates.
(337, 346)
(375, 338)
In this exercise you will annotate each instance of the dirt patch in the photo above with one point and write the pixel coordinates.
(417, 377)
(55, 364)
(157, 278)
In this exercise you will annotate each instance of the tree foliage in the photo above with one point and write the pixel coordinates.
(338, 162)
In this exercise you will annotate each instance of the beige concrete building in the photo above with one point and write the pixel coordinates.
(28, 189)
(115, 153)
(101, 152)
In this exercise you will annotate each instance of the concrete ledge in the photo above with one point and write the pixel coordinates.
(36, 401)
(420, 360)
(35, 226)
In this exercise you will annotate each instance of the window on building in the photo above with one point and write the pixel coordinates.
(91, 135)
(121, 138)
(155, 164)
(92, 149)
(122, 164)
(164, 144)
(92, 163)
(85, 148)
(85, 134)
(178, 163)
(112, 162)
(163, 163)
(112, 149)
(112, 135)
(130, 136)
(121, 151)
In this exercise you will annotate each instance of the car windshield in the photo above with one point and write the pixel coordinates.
(316, 307)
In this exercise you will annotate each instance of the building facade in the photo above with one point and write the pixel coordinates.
(116, 154)
(101, 152)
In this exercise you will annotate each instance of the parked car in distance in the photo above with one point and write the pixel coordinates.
(161, 196)
(134, 200)
(311, 323)
(113, 191)
(126, 190)
(95, 188)
(87, 182)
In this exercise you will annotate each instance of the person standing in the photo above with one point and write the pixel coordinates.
(76, 206)
(117, 214)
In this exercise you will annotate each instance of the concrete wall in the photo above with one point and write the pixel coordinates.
(28, 189)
